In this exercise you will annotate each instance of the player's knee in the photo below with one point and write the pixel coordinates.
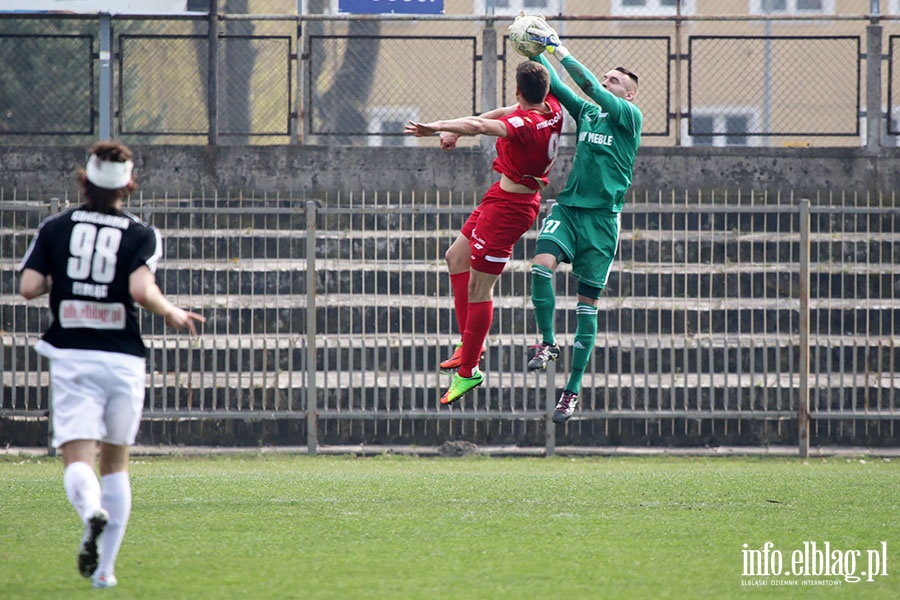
(457, 261)
(484, 275)
(548, 261)
(589, 294)
(481, 295)
(548, 254)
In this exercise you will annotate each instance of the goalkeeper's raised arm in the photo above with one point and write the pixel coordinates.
(617, 85)
(570, 100)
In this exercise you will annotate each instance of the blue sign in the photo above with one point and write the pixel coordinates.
(376, 7)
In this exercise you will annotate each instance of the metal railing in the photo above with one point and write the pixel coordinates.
(726, 318)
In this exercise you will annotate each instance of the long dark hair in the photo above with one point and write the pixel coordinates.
(100, 199)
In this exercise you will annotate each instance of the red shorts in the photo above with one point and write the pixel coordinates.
(496, 225)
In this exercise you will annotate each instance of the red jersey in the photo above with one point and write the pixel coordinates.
(528, 151)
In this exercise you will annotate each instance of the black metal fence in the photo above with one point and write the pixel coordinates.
(339, 80)
(735, 320)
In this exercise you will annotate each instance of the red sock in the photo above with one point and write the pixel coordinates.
(478, 323)
(460, 284)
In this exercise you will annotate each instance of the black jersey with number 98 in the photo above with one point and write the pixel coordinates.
(90, 256)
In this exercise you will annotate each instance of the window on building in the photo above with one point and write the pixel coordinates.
(329, 7)
(392, 120)
(893, 127)
(197, 6)
(652, 7)
(514, 7)
(791, 7)
(720, 127)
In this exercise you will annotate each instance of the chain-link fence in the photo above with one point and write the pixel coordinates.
(794, 98)
(342, 69)
(186, 113)
(775, 74)
(52, 97)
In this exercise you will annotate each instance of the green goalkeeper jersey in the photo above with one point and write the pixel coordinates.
(608, 136)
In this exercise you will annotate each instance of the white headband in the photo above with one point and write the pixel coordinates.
(108, 174)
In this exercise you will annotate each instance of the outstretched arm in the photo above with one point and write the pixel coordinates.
(448, 139)
(461, 126)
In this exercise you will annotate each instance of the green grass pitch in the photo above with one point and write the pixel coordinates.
(340, 527)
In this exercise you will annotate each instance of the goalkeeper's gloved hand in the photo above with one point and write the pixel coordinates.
(547, 36)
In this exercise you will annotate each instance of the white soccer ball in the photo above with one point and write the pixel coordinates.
(518, 36)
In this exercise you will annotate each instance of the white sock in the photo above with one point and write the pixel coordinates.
(82, 489)
(116, 499)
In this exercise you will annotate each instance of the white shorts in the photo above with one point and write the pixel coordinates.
(95, 395)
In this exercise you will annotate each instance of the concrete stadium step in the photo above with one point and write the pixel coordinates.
(262, 276)
(380, 313)
(430, 242)
(427, 214)
(729, 247)
(645, 354)
(248, 243)
(768, 218)
(426, 211)
(269, 214)
(750, 281)
(351, 394)
(425, 245)
(384, 219)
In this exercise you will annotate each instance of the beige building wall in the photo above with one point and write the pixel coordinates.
(796, 87)
(791, 88)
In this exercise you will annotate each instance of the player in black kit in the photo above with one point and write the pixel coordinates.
(97, 262)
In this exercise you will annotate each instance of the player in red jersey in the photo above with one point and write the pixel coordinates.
(527, 142)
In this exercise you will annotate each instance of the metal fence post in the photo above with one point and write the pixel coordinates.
(212, 75)
(873, 86)
(312, 414)
(53, 209)
(803, 401)
(550, 399)
(299, 102)
(679, 59)
(488, 77)
(105, 110)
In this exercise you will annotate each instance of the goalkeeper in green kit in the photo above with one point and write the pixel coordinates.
(583, 226)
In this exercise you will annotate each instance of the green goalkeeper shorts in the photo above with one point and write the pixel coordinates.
(587, 238)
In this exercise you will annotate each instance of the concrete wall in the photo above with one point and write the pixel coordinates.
(317, 171)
